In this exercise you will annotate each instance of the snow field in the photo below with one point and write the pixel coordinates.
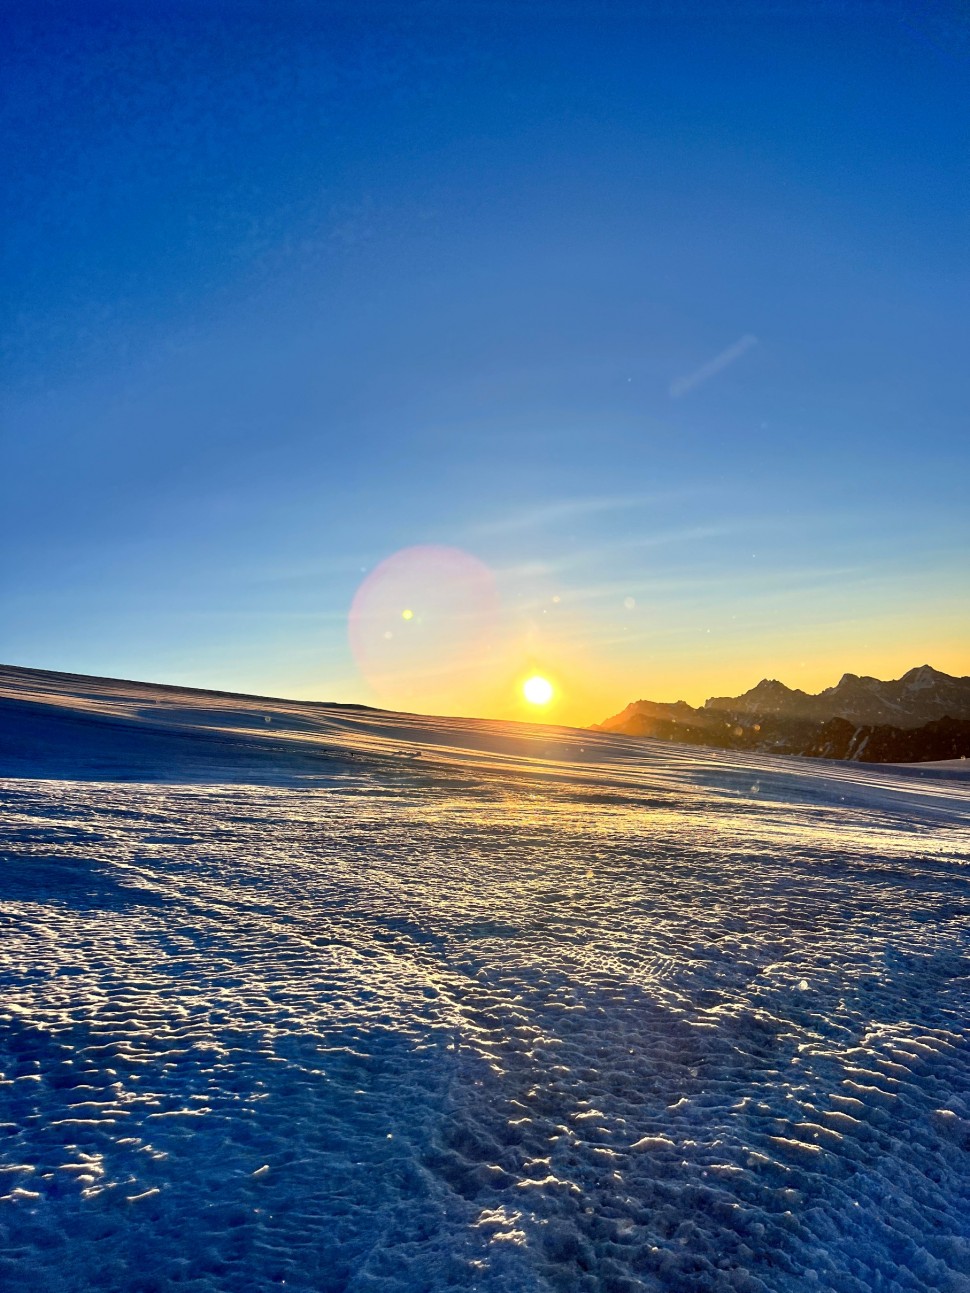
(680, 1023)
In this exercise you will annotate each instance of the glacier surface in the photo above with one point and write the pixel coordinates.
(329, 999)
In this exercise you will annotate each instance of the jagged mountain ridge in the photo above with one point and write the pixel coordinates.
(923, 715)
(919, 696)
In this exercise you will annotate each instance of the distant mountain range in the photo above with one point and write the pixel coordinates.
(923, 715)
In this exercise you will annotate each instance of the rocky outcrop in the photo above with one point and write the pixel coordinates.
(943, 738)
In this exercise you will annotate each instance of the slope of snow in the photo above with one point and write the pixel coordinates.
(347, 1000)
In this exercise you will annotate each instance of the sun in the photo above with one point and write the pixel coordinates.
(537, 690)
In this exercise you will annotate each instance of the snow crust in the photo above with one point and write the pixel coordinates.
(345, 1000)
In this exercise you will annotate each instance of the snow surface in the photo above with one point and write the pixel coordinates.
(285, 1005)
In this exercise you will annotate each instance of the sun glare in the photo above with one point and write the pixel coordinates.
(537, 690)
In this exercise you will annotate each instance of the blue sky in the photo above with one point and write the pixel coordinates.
(658, 312)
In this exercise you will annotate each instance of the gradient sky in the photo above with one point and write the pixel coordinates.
(657, 312)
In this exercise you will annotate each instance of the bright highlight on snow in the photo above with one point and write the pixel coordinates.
(537, 690)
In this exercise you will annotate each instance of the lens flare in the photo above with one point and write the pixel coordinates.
(537, 690)
(423, 629)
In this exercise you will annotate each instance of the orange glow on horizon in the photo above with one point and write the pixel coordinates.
(433, 630)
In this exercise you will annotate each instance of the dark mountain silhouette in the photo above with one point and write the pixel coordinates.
(943, 738)
(916, 698)
(923, 715)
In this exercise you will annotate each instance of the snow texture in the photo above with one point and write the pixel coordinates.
(284, 1005)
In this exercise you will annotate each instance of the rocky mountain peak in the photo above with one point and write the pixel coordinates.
(922, 695)
(922, 676)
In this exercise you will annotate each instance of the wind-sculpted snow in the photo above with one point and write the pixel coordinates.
(536, 1010)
